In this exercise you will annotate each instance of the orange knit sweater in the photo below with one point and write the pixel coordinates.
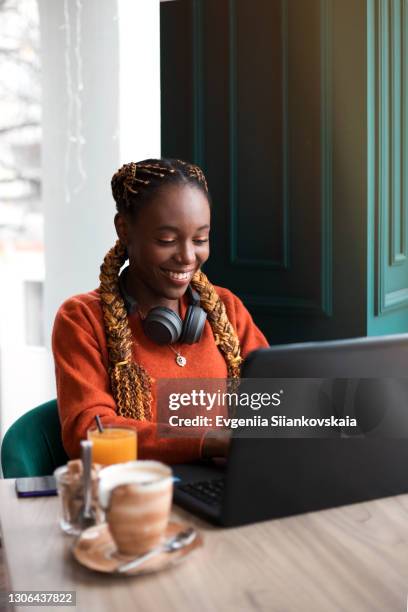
(83, 385)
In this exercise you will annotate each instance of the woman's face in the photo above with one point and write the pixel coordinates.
(167, 243)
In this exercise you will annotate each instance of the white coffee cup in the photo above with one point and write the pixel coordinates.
(136, 497)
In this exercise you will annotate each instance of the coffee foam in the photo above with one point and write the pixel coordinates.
(150, 474)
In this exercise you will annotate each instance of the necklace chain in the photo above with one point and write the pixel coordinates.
(180, 359)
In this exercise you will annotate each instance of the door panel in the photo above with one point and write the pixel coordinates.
(273, 96)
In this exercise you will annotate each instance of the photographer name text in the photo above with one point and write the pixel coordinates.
(258, 421)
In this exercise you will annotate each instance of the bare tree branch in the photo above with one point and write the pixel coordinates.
(20, 177)
(12, 128)
(19, 53)
(9, 50)
(19, 97)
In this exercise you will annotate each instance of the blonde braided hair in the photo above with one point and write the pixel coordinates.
(224, 334)
(129, 381)
(132, 185)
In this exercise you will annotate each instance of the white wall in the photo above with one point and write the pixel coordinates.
(139, 79)
(26, 372)
(27, 380)
(101, 66)
(101, 108)
(80, 58)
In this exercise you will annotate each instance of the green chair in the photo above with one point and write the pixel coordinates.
(33, 446)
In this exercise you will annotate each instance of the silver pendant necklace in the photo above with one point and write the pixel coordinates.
(180, 359)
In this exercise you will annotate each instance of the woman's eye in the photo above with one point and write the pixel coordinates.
(170, 242)
(165, 242)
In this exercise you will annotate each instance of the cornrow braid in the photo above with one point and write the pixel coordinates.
(195, 172)
(131, 384)
(135, 182)
(133, 185)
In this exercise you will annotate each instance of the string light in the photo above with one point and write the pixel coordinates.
(75, 135)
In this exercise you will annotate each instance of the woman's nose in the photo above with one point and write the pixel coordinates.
(186, 253)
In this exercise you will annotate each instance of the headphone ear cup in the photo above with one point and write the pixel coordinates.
(163, 325)
(193, 326)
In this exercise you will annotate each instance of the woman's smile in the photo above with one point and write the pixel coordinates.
(179, 278)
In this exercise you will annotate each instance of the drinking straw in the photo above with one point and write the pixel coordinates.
(99, 423)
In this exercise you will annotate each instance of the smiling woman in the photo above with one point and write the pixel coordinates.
(158, 318)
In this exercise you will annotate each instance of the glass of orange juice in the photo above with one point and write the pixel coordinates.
(115, 444)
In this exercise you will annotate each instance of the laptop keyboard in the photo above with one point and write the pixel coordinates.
(208, 491)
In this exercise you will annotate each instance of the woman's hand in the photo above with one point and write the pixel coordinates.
(216, 444)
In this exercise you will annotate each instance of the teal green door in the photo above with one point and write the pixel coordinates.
(387, 118)
(272, 98)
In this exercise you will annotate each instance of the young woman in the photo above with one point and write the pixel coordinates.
(110, 346)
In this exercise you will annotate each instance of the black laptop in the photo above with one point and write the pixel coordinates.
(269, 477)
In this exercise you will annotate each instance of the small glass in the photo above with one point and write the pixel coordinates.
(114, 444)
(70, 487)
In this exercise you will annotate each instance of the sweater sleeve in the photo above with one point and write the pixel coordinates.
(83, 389)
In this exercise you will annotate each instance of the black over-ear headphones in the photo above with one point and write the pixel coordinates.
(164, 326)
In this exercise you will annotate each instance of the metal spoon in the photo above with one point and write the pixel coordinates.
(87, 518)
(180, 540)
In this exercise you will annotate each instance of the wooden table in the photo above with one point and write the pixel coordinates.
(353, 558)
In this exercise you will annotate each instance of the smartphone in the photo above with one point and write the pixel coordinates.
(37, 486)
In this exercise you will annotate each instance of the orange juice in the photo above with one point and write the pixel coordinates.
(113, 445)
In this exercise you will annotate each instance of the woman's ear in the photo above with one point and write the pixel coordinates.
(122, 228)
